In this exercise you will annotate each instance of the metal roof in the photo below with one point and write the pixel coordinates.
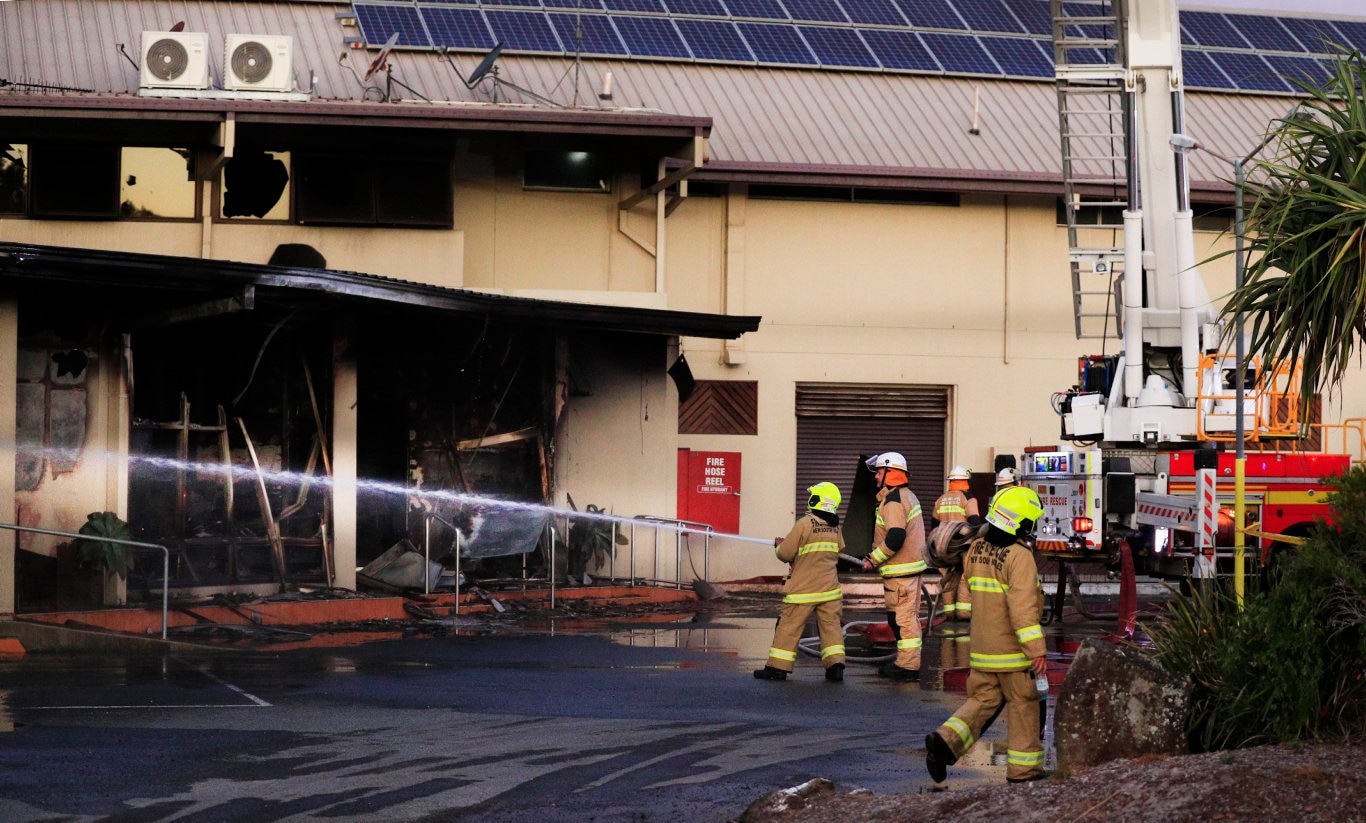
(54, 271)
(859, 127)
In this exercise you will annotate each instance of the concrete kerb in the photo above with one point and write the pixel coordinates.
(39, 637)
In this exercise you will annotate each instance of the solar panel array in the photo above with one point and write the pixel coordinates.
(991, 38)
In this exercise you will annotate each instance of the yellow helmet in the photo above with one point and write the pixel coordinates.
(824, 497)
(1013, 507)
(959, 473)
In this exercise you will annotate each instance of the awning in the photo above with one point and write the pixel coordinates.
(151, 278)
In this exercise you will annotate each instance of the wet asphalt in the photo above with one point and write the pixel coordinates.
(619, 722)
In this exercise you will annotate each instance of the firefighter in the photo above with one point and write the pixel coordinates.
(1005, 478)
(957, 505)
(899, 556)
(812, 548)
(1006, 644)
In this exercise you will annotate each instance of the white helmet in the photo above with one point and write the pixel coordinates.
(886, 460)
(959, 473)
(1005, 477)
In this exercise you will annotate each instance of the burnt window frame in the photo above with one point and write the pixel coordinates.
(43, 160)
(600, 160)
(383, 168)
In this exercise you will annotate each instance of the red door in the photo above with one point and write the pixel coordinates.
(709, 489)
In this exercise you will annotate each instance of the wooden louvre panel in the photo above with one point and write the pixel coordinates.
(720, 407)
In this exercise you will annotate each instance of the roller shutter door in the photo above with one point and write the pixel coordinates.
(838, 425)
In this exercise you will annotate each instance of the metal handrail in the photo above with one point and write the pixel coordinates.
(427, 555)
(165, 560)
(679, 527)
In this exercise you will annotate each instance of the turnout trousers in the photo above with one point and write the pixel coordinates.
(957, 599)
(903, 615)
(988, 694)
(792, 622)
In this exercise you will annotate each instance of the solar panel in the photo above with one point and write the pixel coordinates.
(1355, 32)
(1019, 57)
(714, 40)
(457, 28)
(817, 11)
(531, 4)
(899, 50)
(577, 5)
(1264, 32)
(1199, 71)
(989, 15)
(773, 43)
(1318, 36)
(1210, 29)
(651, 37)
(757, 9)
(696, 8)
(378, 23)
(1309, 70)
(588, 33)
(838, 46)
(524, 30)
(1249, 71)
(960, 53)
(651, 6)
(1035, 15)
(457, 2)
(874, 12)
(931, 14)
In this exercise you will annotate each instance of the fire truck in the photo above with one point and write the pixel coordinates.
(1146, 466)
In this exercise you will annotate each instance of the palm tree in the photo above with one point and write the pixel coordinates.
(1305, 287)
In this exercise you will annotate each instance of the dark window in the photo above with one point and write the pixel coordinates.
(13, 178)
(74, 181)
(1204, 216)
(359, 190)
(720, 407)
(256, 184)
(567, 171)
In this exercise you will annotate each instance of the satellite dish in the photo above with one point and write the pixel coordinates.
(178, 26)
(484, 67)
(383, 55)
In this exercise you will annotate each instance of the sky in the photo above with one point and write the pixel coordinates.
(1329, 8)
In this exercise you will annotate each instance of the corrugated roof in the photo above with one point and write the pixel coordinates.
(47, 268)
(766, 121)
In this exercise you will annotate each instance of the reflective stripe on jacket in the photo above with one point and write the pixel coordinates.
(898, 508)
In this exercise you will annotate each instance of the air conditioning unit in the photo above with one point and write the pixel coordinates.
(174, 60)
(258, 62)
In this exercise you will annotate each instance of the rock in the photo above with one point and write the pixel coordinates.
(1118, 703)
(781, 804)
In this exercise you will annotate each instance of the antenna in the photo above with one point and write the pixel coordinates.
(488, 68)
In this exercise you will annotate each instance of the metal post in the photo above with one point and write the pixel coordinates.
(457, 572)
(165, 560)
(1240, 372)
(612, 566)
(427, 554)
(633, 555)
(678, 559)
(552, 565)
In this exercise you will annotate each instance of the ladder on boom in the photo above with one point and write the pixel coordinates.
(1091, 72)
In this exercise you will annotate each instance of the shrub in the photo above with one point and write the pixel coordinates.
(1289, 664)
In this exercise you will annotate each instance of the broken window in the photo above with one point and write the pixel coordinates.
(567, 171)
(74, 181)
(256, 184)
(370, 189)
(13, 178)
(157, 182)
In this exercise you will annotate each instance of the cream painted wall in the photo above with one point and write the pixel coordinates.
(142, 237)
(420, 255)
(976, 297)
(619, 440)
(518, 239)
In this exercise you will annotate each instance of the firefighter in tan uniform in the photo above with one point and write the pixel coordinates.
(813, 548)
(1007, 648)
(957, 505)
(899, 556)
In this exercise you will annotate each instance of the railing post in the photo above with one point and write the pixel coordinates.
(552, 564)
(427, 554)
(457, 572)
(633, 554)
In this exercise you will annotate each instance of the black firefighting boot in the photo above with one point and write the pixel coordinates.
(938, 757)
(835, 674)
(892, 671)
(770, 673)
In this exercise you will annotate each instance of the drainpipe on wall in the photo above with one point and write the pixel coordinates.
(733, 268)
